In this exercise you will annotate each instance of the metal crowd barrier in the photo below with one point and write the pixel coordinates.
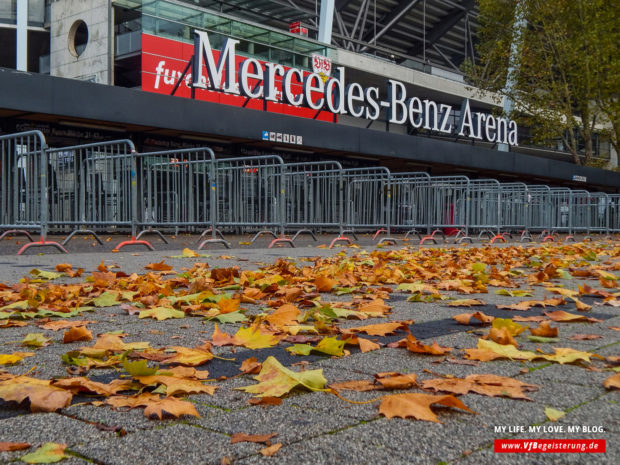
(25, 187)
(513, 206)
(448, 208)
(614, 213)
(89, 188)
(315, 199)
(368, 201)
(484, 207)
(250, 196)
(410, 193)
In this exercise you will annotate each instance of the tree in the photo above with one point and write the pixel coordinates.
(558, 57)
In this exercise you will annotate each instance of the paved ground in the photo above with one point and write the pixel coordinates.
(314, 427)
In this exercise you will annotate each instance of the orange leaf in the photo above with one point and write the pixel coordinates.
(324, 284)
(465, 302)
(376, 306)
(62, 267)
(367, 345)
(267, 400)
(228, 305)
(413, 345)
(64, 324)
(613, 382)
(582, 306)
(562, 316)
(545, 330)
(380, 329)
(269, 451)
(417, 405)
(286, 315)
(251, 366)
(585, 337)
(161, 266)
(79, 333)
(527, 319)
(502, 336)
(242, 437)
(398, 381)
(488, 385)
(83, 384)
(11, 446)
(42, 396)
(220, 338)
(463, 318)
(154, 405)
(355, 385)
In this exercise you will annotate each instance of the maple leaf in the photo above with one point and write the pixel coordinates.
(484, 384)
(185, 372)
(367, 345)
(562, 316)
(12, 446)
(327, 345)
(138, 368)
(256, 438)
(285, 315)
(396, 380)
(271, 450)
(10, 359)
(417, 405)
(585, 337)
(554, 414)
(568, 355)
(161, 266)
(489, 350)
(79, 333)
(465, 302)
(380, 329)
(276, 380)
(35, 340)
(114, 343)
(42, 396)
(613, 382)
(413, 345)
(502, 336)
(356, 385)
(64, 324)
(251, 366)
(189, 357)
(161, 313)
(464, 318)
(176, 385)
(107, 299)
(228, 305)
(267, 400)
(324, 284)
(254, 338)
(83, 384)
(374, 307)
(47, 453)
(545, 330)
(155, 406)
(582, 306)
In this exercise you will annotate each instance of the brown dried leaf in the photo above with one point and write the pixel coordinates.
(545, 330)
(12, 446)
(161, 266)
(80, 333)
(417, 405)
(269, 451)
(257, 438)
(464, 318)
(267, 400)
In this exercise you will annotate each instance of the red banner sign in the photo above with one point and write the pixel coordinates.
(163, 62)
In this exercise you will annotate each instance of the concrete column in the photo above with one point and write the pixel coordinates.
(326, 20)
(21, 52)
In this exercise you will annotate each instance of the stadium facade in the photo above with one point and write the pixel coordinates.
(364, 82)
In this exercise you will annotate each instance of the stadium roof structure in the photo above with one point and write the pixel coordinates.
(413, 33)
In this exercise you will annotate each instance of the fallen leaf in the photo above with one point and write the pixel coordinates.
(11, 446)
(267, 400)
(380, 329)
(10, 359)
(464, 318)
(64, 324)
(397, 381)
(613, 382)
(275, 380)
(42, 396)
(175, 385)
(484, 384)
(367, 345)
(83, 384)
(269, 451)
(413, 345)
(79, 333)
(251, 366)
(324, 284)
(562, 316)
(465, 302)
(554, 414)
(154, 405)
(161, 313)
(355, 385)
(585, 337)
(257, 438)
(545, 330)
(417, 405)
(35, 340)
(47, 453)
(161, 266)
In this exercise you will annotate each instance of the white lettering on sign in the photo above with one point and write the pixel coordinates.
(334, 94)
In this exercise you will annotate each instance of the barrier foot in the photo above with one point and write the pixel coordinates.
(487, 233)
(340, 239)
(152, 231)
(214, 241)
(385, 240)
(302, 231)
(413, 231)
(548, 238)
(13, 232)
(281, 240)
(82, 231)
(507, 234)
(350, 231)
(209, 230)
(465, 238)
(587, 239)
(569, 238)
(260, 233)
(498, 236)
(428, 238)
(379, 231)
(134, 241)
(42, 243)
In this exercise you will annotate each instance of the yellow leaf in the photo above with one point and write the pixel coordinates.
(47, 453)
(554, 414)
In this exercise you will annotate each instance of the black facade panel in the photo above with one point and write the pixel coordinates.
(66, 98)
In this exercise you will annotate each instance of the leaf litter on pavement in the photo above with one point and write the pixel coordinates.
(310, 308)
